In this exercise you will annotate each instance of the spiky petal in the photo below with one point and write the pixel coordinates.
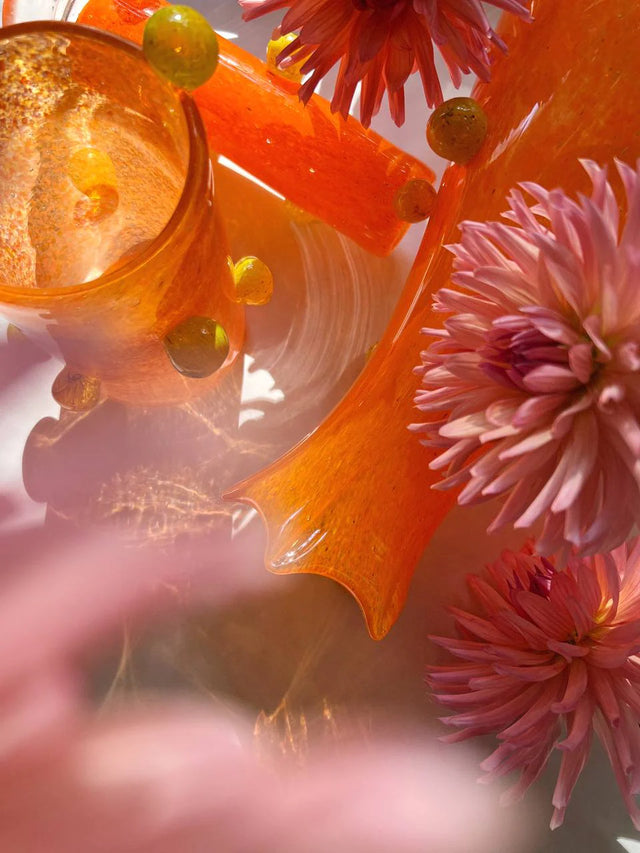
(535, 378)
(379, 43)
(552, 657)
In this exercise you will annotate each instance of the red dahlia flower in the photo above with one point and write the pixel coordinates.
(381, 42)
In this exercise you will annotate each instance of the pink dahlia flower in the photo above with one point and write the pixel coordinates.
(381, 42)
(553, 656)
(535, 378)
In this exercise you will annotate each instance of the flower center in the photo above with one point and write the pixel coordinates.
(515, 348)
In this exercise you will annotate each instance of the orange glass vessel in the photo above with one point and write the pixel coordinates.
(110, 235)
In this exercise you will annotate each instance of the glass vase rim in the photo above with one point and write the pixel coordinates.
(197, 167)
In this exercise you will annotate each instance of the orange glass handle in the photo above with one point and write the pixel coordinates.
(334, 169)
(353, 501)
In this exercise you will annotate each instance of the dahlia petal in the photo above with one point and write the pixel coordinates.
(551, 324)
(581, 362)
(497, 717)
(580, 460)
(535, 409)
(529, 444)
(627, 634)
(545, 496)
(593, 327)
(532, 673)
(606, 738)
(532, 770)
(553, 620)
(483, 682)
(550, 378)
(569, 651)
(520, 656)
(628, 427)
(523, 467)
(370, 36)
(565, 419)
(629, 179)
(465, 649)
(445, 675)
(479, 698)
(470, 425)
(579, 726)
(400, 62)
(602, 195)
(605, 657)
(539, 710)
(577, 680)
(489, 598)
(506, 759)
(482, 629)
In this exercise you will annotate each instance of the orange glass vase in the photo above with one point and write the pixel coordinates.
(354, 501)
(110, 235)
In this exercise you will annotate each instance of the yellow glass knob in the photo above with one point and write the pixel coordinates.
(414, 200)
(181, 45)
(71, 390)
(457, 129)
(290, 71)
(197, 347)
(253, 281)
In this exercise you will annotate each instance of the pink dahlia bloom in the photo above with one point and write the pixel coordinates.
(535, 378)
(553, 656)
(381, 42)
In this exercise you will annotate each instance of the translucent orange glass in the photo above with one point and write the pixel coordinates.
(335, 169)
(109, 231)
(354, 501)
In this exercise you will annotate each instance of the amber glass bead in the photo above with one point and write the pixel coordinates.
(253, 281)
(197, 347)
(181, 45)
(414, 200)
(89, 168)
(457, 129)
(101, 201)
(76, 392)
(274, 48)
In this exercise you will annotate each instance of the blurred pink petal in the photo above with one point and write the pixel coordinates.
(165, 777)
(183, 778)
